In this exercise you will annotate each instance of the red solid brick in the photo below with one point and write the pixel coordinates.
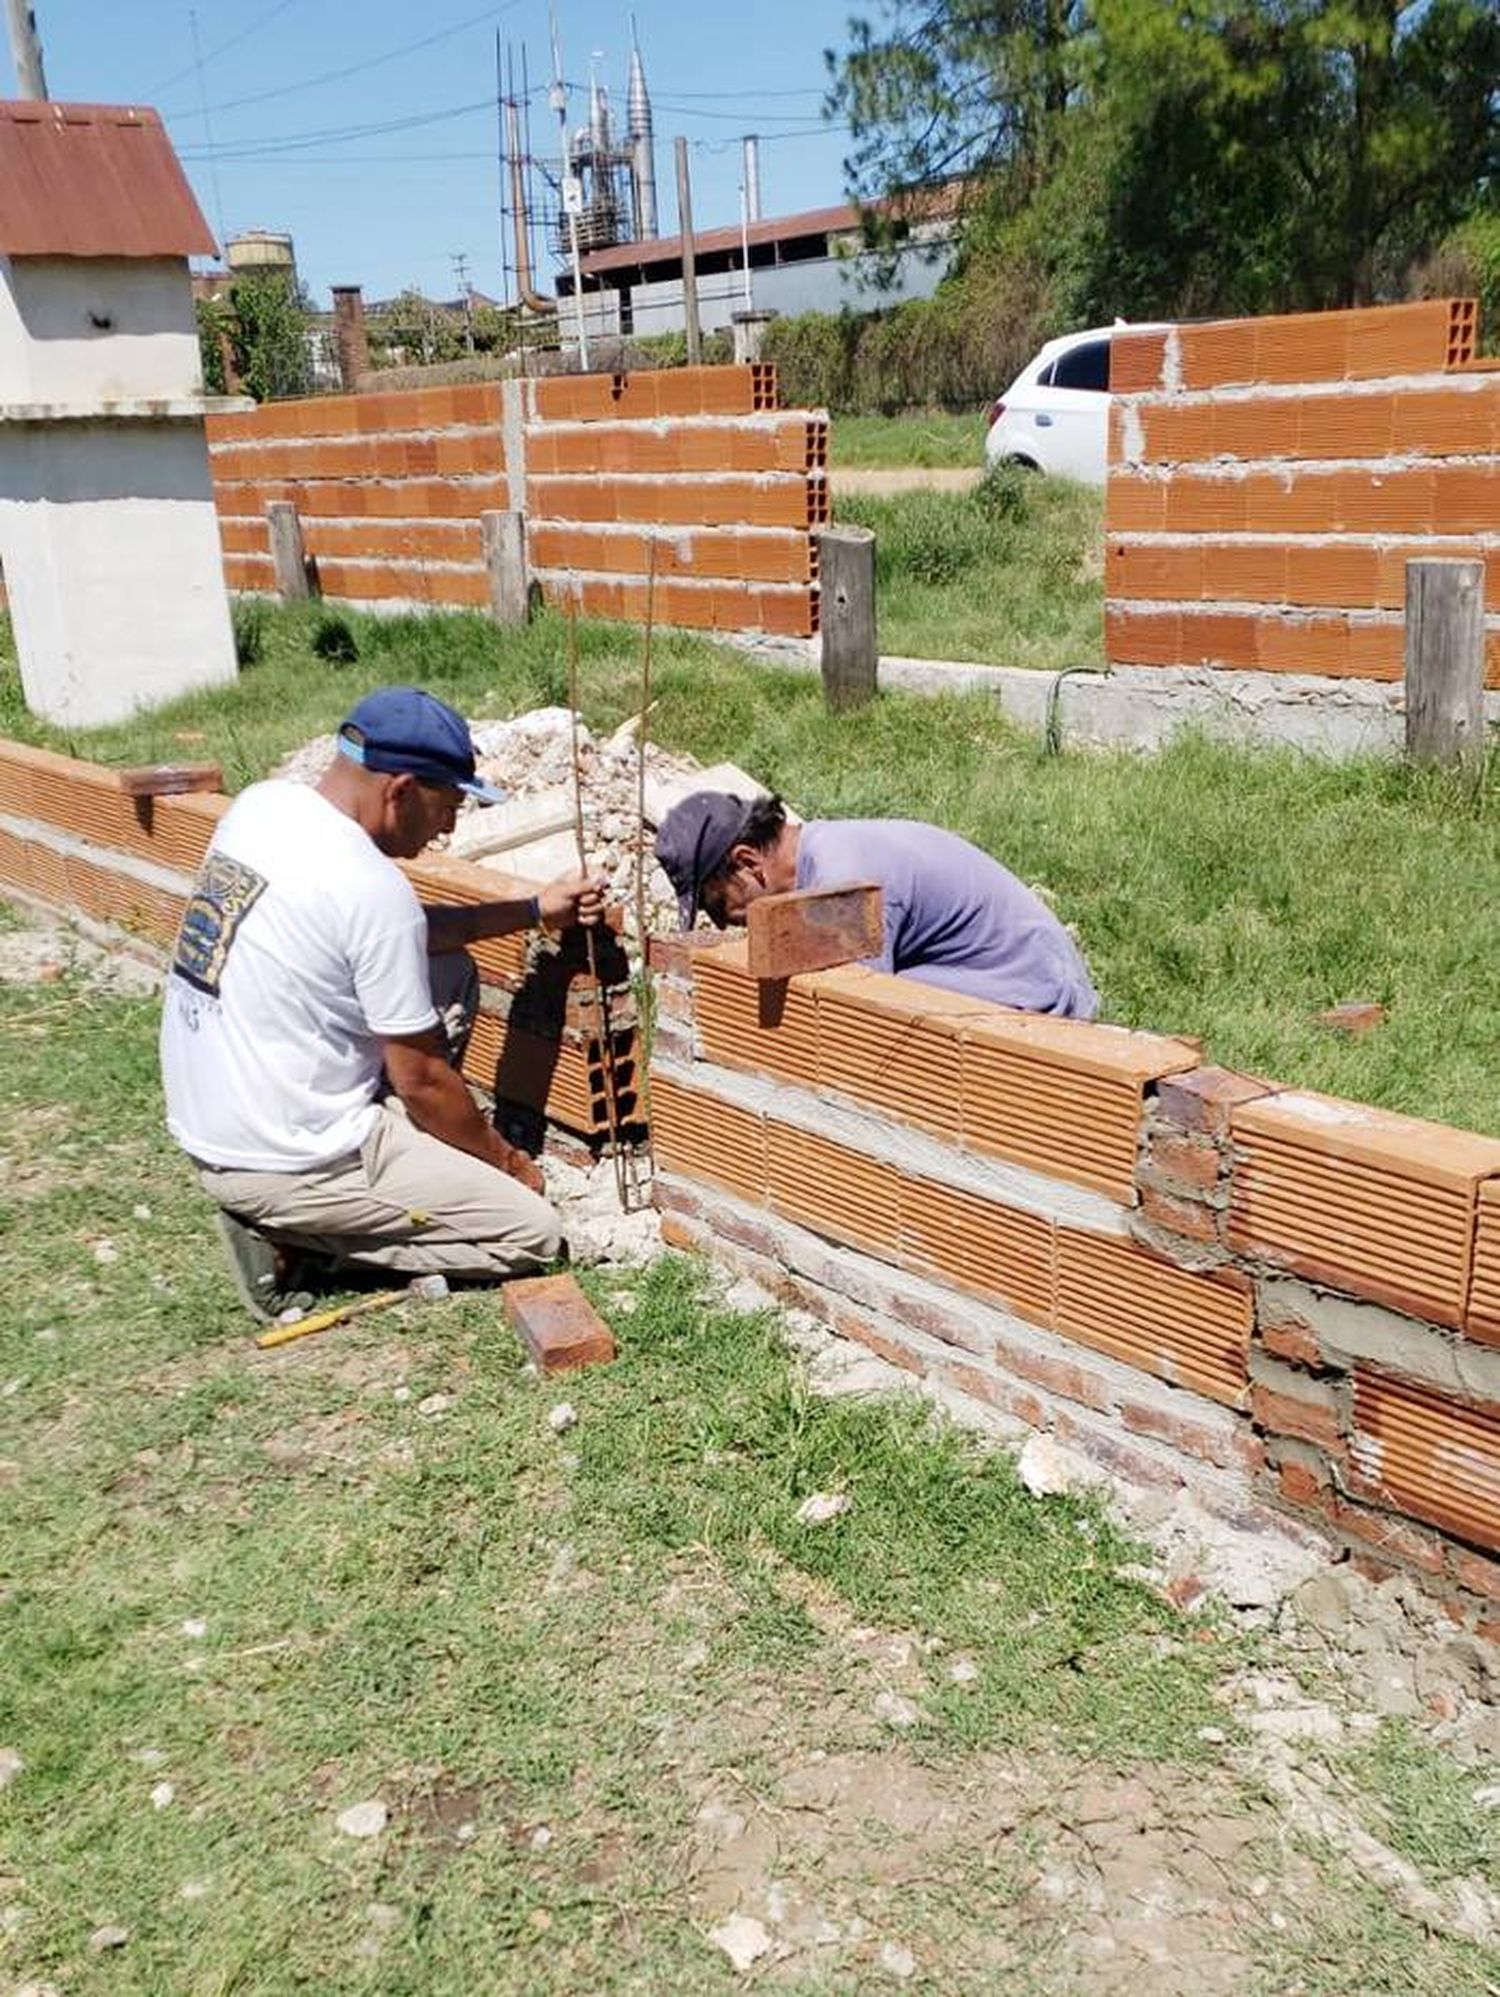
(981, 1387)
(1227, 1449)
(849, 1324)
(1309, 1421)
(1390, 1537)
(1192, 1162)
(557, 1324)
(1474, 1572)
(814, 929)
(1179, 1216)
(1293, 1341)
(1301, 1486)
(1204, 1099)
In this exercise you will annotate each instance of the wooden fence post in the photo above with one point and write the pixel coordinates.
(503, 537)
(846, 576)
(1445, 665)
(288, 556)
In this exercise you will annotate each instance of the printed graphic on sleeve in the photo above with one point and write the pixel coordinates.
(223, 895)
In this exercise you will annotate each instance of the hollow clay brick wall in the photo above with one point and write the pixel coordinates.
(1192, 1275)
(697, 466)
(389, 489)
(72, 840)
(1270, 479)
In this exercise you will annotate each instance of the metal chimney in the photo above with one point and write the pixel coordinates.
(752, 178)
(642, 151)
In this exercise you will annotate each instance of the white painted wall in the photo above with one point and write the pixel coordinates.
(53, 347)
(110, 549)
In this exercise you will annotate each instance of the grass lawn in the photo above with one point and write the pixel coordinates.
(1009, 574)
(606, 1687)
(1216, 892)
(934, 437)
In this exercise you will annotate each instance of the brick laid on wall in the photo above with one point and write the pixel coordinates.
(693, 469)
(696, 472)
(389, 488)
(1270, 479)
(1379, 1204)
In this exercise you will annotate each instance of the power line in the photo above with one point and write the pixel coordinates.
(188, 69)
(358, 68)
(293, 141)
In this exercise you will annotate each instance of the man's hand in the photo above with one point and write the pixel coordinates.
(572, 899)
(523, 1166)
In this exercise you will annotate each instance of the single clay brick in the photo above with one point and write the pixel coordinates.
(170, 779)
(1293, 1341)
(558, 1325)
(1301, 1486)
(1197, 1222)
(1284, 1415)
(1229, 1449)
(1478, 1575)
(1356, 1018)
(1204, 1099)
(1191, 1162)
(1391, 1537)
(813, 929)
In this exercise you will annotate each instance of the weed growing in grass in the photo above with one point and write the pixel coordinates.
(248, 619)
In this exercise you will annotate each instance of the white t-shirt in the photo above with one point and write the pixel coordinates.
(302, 946)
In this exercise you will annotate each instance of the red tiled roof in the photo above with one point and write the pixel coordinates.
(93, 180)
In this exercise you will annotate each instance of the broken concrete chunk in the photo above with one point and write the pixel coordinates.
(742, 1939)
(364, 1820)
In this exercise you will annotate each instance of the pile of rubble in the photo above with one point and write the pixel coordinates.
(534, 833)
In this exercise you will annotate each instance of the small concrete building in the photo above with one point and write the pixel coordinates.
(109, 543)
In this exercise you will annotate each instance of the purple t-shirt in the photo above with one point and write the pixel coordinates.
(953, 916)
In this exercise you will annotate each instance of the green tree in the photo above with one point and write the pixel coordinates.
(270, 336)
(215, 333)
(414, 331)
(1203, 155)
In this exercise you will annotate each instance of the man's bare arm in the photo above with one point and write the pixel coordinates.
(438, 1101)
(576, 898)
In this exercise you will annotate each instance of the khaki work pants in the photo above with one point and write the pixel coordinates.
(404, 1201)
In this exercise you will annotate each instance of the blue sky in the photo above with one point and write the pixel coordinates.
(292, 88)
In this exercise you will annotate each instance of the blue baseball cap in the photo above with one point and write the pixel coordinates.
(693, 842)
(400, 730)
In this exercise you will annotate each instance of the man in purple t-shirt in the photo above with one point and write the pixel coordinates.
(953, 916)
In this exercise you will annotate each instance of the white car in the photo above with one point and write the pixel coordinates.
(1054, 417)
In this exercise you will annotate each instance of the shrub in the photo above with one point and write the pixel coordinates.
(333, 639)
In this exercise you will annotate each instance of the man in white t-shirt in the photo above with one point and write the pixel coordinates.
(307, 1072)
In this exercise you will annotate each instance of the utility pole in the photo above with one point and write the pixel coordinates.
(689, 261)
(466, 293)
(26, 48)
